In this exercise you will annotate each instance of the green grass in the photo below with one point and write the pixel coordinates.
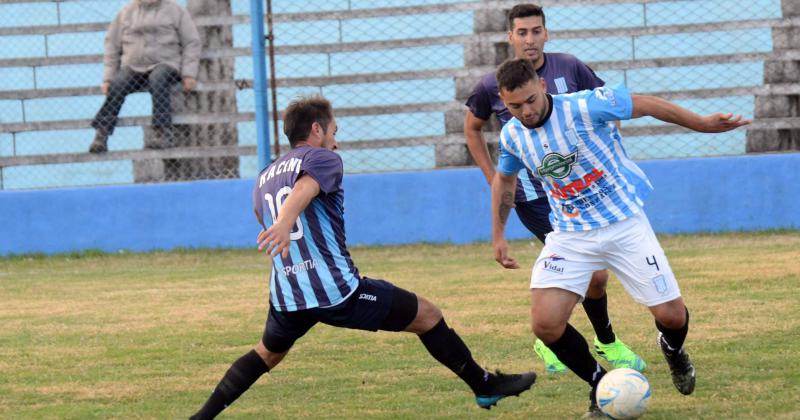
(149, 335)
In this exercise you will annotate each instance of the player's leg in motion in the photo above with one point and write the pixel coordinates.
(606, 343)
(672, 321)
(280, 333)
(535, 216)
(447, 347)
(550, 312)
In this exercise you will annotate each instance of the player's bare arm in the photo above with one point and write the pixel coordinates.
(669, 112)
(503, 188)
(476, 144)
(276, 239)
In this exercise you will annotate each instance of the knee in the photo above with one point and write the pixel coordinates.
(428, 312)
(271, 359)
(672, 317)
(547, 330)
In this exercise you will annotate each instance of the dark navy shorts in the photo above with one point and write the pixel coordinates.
(535, 215)
(374, 305)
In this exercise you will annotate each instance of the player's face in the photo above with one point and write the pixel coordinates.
(527, 103)
(527, 37)
(329, 136)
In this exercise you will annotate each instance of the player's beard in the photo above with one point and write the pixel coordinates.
(539, 121)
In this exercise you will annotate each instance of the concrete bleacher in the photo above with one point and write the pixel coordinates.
(397, 71)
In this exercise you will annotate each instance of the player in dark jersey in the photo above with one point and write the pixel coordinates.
(563, 73)
(299, 202)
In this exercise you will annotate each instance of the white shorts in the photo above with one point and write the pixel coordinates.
(628, 248)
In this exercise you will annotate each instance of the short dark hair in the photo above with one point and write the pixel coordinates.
(515, 73)
(302, 113)
(523, 11)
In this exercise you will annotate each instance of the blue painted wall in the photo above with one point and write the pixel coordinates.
(692, 195)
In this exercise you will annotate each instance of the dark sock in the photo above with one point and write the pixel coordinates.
(242, 373)
(675, 338)
(446, 346)
(572, 350)
(597, 311)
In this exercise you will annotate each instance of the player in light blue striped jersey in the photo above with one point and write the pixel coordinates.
(563, 73)
(596, 194)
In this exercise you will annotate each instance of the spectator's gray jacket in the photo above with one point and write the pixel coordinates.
(146, 33)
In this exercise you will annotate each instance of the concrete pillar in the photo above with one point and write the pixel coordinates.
(779, 106)
(480, 53)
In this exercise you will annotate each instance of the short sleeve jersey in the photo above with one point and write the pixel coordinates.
(577, 154)
(564, 73)
(319, 271)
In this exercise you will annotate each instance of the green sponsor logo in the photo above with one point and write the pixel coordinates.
(557, 166)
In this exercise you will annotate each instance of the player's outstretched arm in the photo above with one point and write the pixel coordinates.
(669, 112)
(276, 239)
(503, 188)
(476, 144)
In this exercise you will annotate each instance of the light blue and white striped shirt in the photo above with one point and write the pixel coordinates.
(578, 156)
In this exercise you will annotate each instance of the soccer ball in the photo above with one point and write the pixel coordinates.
(623, 394)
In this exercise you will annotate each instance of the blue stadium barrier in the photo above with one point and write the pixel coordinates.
(742, 193)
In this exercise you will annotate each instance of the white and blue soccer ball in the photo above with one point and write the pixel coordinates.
(623, 394)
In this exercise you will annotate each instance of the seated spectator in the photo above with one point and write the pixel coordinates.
(152, 45)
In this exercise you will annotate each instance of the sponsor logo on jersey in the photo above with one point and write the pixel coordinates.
(570, 211)
(366, 296)
(550, 266)
(300, 267)
(555, 257)
(576, 187)
(556, 165)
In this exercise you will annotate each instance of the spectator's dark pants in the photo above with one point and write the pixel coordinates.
(158, 82)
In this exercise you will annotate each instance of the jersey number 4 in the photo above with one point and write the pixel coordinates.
(279, 198)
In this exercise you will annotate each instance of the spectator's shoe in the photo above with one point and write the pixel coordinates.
(551, 363)
(500, 385)
(100, 143)
(619, 355)
(683, 373)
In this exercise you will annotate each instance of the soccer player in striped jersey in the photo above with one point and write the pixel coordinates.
(596, 192)
(299, 203)
(563, 73)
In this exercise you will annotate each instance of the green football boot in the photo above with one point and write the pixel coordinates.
(551, 362)
(619, 355)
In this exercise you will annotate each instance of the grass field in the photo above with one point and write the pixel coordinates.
(149, 335)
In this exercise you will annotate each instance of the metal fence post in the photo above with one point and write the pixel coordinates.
(260, 83)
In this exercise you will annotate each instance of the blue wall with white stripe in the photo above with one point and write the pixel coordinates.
(691, 195)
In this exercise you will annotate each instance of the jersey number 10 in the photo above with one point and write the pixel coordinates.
(297, 232)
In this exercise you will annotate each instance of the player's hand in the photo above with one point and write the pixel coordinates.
(274, 240)
(104, 87)
(189, 83)
(501, 255)
(719, 122)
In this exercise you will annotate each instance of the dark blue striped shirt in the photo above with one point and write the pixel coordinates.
(564, 73)
(318, 271)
